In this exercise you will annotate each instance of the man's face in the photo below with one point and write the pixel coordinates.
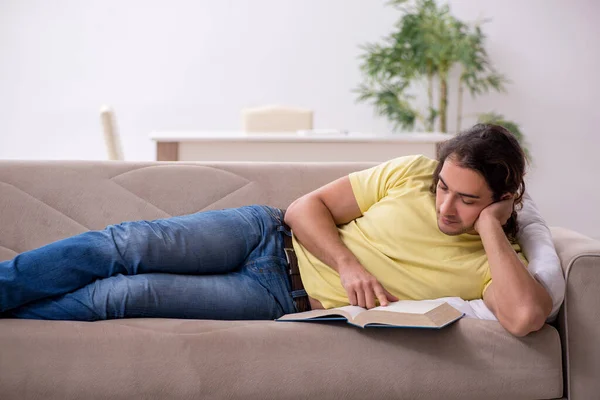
(461, 195)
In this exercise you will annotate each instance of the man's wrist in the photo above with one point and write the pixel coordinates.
(485, 223)
(345, 262)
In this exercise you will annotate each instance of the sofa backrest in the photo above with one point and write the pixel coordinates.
(44, 201)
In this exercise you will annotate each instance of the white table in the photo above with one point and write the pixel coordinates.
(293, 147)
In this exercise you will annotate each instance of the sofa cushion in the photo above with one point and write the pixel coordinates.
(45, 201)
(176, 359)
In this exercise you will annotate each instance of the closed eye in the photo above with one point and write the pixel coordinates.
(445, 189)
(442, 185)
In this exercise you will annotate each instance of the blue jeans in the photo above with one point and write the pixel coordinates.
(225, 264)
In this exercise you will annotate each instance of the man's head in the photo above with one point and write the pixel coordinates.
(477, 167)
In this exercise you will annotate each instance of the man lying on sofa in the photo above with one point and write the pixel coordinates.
(410, 228)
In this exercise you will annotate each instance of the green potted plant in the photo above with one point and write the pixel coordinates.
(427, 42)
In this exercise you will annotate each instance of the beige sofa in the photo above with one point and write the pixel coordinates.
(42, 202)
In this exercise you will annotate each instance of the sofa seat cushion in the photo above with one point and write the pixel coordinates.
(185, 359)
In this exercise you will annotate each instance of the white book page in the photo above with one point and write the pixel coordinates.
(352, 310)
(410, 306)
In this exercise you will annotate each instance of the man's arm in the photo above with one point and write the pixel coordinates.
(314, 218)
(537, 245)
(543, 263)
(519, 302)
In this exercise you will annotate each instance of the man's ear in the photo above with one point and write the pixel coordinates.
(506, 196)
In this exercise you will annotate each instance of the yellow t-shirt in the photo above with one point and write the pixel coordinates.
(398, 241)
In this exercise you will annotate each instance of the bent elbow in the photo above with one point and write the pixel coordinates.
(295, 210)
(519, 330)
(291, 211)
(288, 215)
(528, 321)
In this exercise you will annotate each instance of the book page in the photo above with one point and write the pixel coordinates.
(347, 312)
(352, 310)
(410, 306)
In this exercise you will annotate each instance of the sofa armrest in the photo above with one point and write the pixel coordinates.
(579, 318)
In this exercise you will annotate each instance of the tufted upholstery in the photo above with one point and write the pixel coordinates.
(43, 201)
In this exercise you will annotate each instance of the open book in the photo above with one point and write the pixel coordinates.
(400, 314)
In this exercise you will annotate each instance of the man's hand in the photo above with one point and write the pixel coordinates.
(499, 211)
(362, 287)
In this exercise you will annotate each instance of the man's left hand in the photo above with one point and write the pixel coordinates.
(499, 211)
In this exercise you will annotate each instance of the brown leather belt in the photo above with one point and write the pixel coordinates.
(298, 293)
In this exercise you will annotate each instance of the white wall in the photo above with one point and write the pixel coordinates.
(192, 65)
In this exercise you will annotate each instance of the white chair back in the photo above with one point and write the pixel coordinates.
(111, 135)
(276, 119)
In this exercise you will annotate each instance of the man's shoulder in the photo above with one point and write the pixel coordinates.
(414, 162)
(418, 165)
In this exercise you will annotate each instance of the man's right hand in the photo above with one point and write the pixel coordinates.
(363, 289)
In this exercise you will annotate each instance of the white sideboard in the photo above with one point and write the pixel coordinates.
(292, 147)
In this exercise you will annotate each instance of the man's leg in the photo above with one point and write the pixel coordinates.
(237, 295)
(212, 242)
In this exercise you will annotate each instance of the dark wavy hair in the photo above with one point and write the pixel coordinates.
(495, 153)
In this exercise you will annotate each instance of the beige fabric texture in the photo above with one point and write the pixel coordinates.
(43, 201)
(579, 319)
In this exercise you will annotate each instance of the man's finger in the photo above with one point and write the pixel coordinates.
(369, 298)
(390, 296)
(381, 295)
(360, 297)
(352, 297)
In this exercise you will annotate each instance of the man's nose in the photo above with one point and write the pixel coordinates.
(447, 207)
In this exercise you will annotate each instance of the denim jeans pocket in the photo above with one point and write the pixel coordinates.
(271, 273)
